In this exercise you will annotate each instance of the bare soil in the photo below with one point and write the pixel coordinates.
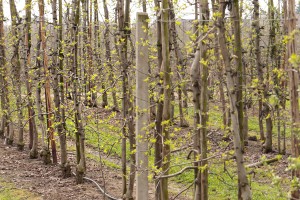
(45, 180)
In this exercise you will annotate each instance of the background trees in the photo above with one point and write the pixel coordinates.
(226, 72)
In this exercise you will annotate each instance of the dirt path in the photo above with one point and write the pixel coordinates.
(39, 181)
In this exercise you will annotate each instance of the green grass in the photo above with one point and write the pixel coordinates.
(222, 185)
(104, 161)
(8, 191)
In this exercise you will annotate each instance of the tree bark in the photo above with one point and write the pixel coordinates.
(256, 37)
(293, 72)
(239, 66)
(166, 116)
(232, 88)
(159, 106)
(47, 81)
(272, 53)
(3, 79)
(57, 62)
(181, 65)
(108, 61)
(33, 133)
(16, 68)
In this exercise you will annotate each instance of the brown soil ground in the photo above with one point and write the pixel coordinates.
(45, 180)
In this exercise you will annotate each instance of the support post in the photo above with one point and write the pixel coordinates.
(142, 106)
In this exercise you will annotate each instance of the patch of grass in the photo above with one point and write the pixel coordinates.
(8, 191)
(223, 184)
(105, 133)
(105, 161)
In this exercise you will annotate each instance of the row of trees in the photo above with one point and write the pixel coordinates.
(63, 60)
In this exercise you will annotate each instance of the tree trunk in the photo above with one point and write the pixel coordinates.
(47, 81)
(159, 106)
(272, 52)
(45, 153)
(16, 68)
(239, 66)
(201, 190)
(3, 81)
(56, 67)
(181, 65)
(293, 72)
(33, 133)
(196, 87)
(124, 28)
(166, 116)
(108, 61)
(256, 26)
(243, 185)
(79, 135)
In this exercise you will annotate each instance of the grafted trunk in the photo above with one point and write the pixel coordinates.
(79, 134)
(49, 110)
(45, 153)
(56, 67)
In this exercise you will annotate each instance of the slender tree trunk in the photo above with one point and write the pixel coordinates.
(293, 72)
(57, 62)
(3, 78)
(45, 153)
(239, 65)
(33, 133)
(204, 102)
(256, 37)
(201, 191)
(108, 55)
(47, 81)
(166, 116)
(196, 87)
(272, 52)
(231, 76)
(220, 70)
(80, 137)
(159, 106)
(124, 27)
(27, 61)
(180, 62)
(16, 67)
